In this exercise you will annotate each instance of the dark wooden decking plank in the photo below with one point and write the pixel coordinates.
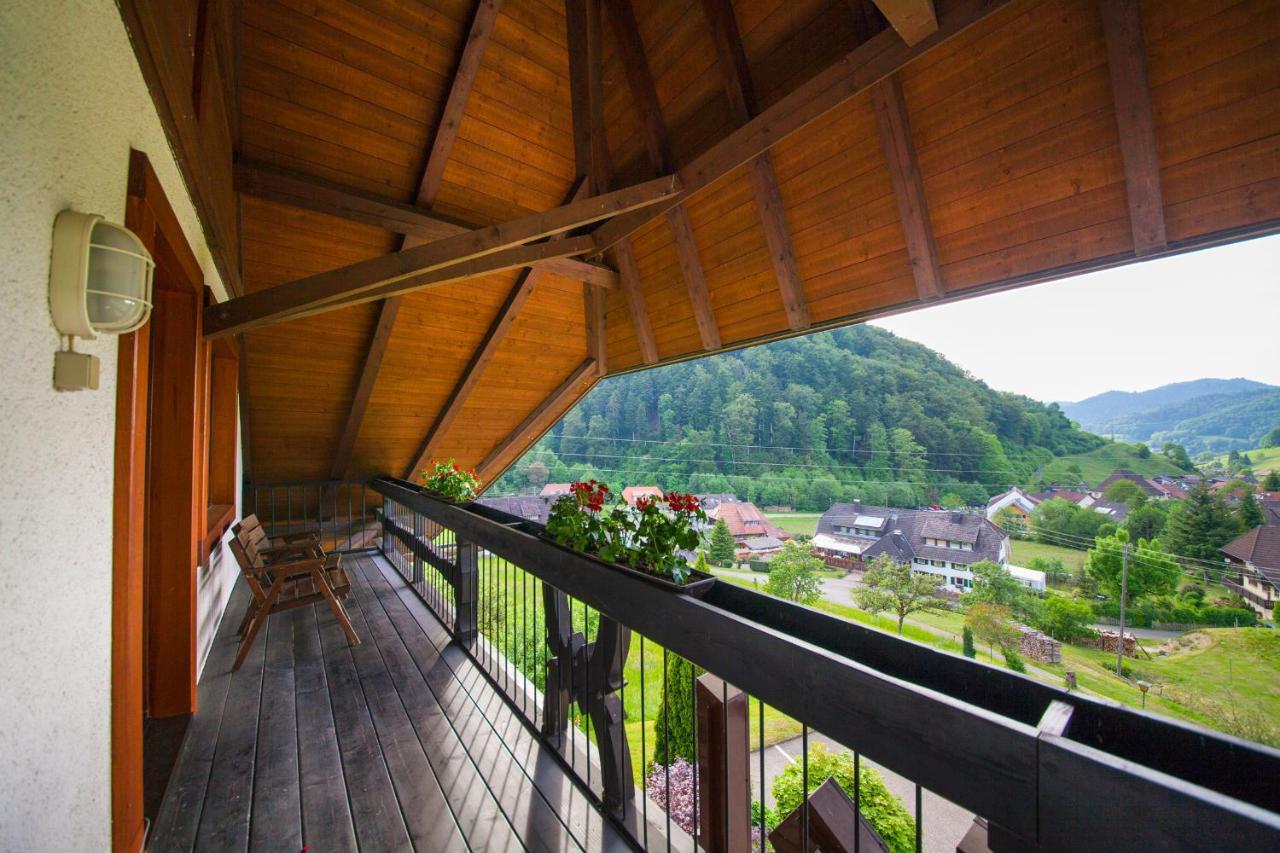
(276, 822)
(224, 823)
(478, 814)
(485, 720)
(326, 815)
(374, 808)
(426, 812)
(179, 817)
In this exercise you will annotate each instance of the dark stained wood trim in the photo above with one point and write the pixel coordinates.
(344, 286)
(456, 105)
(764, 181)
(633, 289)
(908, 188)
(295, 189)
(542, 417)
(364, 387)
(246, 420)
(1127, 61)
(913, 19)
(658, 142)
(879, 57)
(595, 325)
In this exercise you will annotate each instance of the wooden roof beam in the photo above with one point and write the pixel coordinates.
(764, 180)
(412, 268)
(914, 20)
(591, 152)
(882, 55)
(484, 354)
(908, 188)
(658, 143)
(273, 183)
(1127, 62)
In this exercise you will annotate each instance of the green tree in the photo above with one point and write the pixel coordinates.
(1271, 439)
(1177, 454)
(1248, 512)
(994, 584)
(1125, 492)
(722, 545)
(1066, 619)
(1151, 570)
(1147, 521)
(967, 644)
(793, 574)
(885, 812)
(674, 725)
(1271, 482)
(990, 623)
(1200, 525)
(1055, 571)
(892, 587)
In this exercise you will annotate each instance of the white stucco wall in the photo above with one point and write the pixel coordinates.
(72, 103)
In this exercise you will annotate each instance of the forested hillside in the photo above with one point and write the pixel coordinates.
(1203, 415)
(851, 413)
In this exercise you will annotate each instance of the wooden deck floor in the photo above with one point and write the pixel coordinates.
(396, 744)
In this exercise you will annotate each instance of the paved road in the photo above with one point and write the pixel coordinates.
(945, 823)
(835, 590)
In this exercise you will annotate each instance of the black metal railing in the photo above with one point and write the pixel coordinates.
(593, 660)
(341, 512)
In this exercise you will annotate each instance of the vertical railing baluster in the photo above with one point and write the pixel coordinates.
(919, 819)
(804, 788)
(764, 826)
(857, 802)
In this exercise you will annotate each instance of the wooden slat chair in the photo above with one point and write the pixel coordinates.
(250, 528)
(287, 584)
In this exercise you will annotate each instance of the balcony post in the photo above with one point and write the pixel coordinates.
(465, 588)
(562, 644)
(418, 525)
(600, 701)
(724, 788)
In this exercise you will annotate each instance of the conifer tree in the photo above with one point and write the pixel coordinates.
(1200, 526)
(721, 550)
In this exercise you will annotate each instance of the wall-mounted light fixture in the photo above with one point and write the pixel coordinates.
(99, 283)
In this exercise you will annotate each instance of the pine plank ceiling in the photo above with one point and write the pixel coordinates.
(825, 172)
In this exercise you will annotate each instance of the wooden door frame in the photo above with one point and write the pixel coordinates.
(149, 215)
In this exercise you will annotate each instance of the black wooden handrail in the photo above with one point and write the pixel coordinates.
(979, 736)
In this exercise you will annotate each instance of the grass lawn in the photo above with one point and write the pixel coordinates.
(795, 523)
(1024, 550)
(1099, 463)
(1262, 460)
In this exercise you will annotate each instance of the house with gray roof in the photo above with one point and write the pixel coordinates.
(940, 542)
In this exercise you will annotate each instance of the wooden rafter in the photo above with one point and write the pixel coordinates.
(416, 267)
(658, 144)
(484, 354)
(764, 180)
(428, 187)
(851, 75)
(914, 20)
(908, 188)
(310, 193)
(1127, 61)
(591, 153)
(542, 417)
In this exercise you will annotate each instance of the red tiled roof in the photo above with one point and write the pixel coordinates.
(631, 494)
(1260, 547)
(746, 519)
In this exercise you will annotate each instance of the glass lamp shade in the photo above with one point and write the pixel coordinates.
(99, 278)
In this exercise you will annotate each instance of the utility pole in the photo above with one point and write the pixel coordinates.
(1124, 595)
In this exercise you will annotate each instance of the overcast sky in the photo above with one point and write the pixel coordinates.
(1214, 313)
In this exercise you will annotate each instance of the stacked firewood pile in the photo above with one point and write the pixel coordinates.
(1109, 641)
(1038, 645)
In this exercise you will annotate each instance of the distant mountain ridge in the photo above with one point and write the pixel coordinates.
(1203, 414)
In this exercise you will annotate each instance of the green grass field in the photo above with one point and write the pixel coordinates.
(795, 523)
(1025, 550)
(1263, 460)
(1098, 464)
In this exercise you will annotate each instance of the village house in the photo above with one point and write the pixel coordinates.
(632, 494)
(1256, 556)
(944, 543)
(745, 521)
(1015, 500)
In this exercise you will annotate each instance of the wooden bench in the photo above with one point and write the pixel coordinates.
(294, 576)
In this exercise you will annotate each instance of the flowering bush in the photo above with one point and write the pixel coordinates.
(648, 536)
(449, 481)
(677, 799)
